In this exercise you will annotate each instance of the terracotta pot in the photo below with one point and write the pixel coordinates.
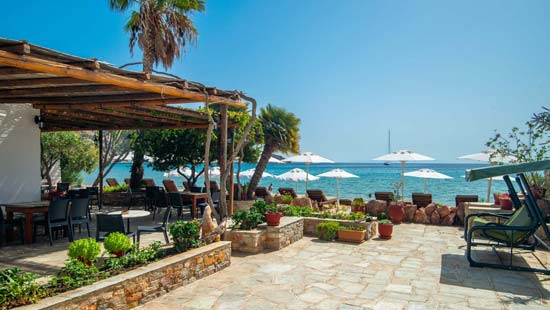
(118, 253)
(273, 218)
(497, 198)
(355, 236)
(385, 230)
(396, 212)
(535, 190)
(85, 261)
(357, 209)
(506, 203)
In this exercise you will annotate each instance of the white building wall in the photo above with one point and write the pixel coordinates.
(19, 154)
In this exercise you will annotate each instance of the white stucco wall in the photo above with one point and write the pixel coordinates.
(19, 154)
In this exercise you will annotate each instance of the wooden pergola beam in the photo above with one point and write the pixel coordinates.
(117, 98)
(43, 82)
(60, 69)
(62, 90)
(107, 104)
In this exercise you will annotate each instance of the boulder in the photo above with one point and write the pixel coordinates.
(443, 211)
(448, 220)
(460, 213)
(435, 218)
(375, 207)
(420, 217)
(277, 199)
(410, 211)
(429, 209)
(302, 202)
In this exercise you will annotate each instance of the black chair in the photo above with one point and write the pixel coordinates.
(9, 225)
(63, 186)
(215, 201)
(93, 195)
(135, 197)
(158, 228)
(57, 217)
(79, 214)
(176, 202)
(197, 189)
(160, 201)
(107, 224)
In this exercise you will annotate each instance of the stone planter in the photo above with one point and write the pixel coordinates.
(310, 226)
(354, 236)
(138, 286)
(243, 204)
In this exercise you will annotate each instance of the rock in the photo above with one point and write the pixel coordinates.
(375, 207)
(435, 218)
(430, 209)
(443, 211)
(278, 199)
(448, 220)
(420, 217)
(208, 224)
(460, 213)
(302, 202)
(410, 211)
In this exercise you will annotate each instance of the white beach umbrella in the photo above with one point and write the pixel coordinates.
(491, 157)
(174, 173)
(308, 158)
(337, 174)
(273, 160)
(403, 156)
(250, 172)
(296, 175)
(427, 174)
(214, 172)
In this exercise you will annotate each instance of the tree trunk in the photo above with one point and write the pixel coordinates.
(136, 172)
(260, 168)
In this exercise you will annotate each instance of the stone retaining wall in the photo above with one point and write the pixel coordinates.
(143, 284)
(310, 226)
(248, 241)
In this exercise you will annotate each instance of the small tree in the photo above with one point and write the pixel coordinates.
(116, 146)
(73, 153)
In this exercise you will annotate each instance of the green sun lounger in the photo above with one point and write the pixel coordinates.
(513, 231)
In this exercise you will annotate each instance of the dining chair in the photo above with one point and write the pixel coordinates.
(107, 224)
(9, 225)
(79, 214)
(57, 217)
(176, 202)
(157, 228)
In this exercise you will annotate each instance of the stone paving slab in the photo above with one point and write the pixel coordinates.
(422, 267)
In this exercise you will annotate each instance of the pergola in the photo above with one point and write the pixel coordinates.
(74, 93)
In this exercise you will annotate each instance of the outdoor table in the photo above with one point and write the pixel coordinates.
(194, 197)
(130, 214)
(27, 208)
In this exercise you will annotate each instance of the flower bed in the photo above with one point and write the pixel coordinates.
(311, 223)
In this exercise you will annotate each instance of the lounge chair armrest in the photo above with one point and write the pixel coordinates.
(467, 219)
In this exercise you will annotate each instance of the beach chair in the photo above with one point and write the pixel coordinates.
(319, 196)
(517, 230)
(421, 200)
(214, 187)
(386, 196)
(262, 192)
(465, 198)
(149, 182)
(287, 191)
(112, 182)
(170, 186)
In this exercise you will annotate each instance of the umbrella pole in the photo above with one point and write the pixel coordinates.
(337, 194)
(489, 184)
(307, 174)
(403, 181)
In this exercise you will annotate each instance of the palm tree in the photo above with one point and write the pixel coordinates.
(281, 134)
(162, 29)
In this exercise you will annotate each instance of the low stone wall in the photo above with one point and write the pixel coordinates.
(310, 226)
(290, 230)
(143, 284)
(115, 199)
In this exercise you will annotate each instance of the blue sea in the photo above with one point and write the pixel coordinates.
(372, 177)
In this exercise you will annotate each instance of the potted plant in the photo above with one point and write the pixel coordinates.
(286, 199)
(327, 230)
(84, 250)
(358, 205)
(496, 196)
(351, 234)
(117, 243)
(396, 211)
(273, 216)
(385, 227)
(506, 203)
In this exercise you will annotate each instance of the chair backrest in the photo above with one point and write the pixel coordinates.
(149, 182)
(346, 202)
(58, 210)
(316, 194)
(175, 199)
(287, 191)
(216, 197)
(92, 190)
(151, 191)
(261, 192)
(109, 223)
(196, 189)
(465, 198)
(170, 186)
(166, 216)
(63, 186)
(421, 200)
(112, 182)
(79, 208)
(386, 196)
(160, 199)
(214, 187)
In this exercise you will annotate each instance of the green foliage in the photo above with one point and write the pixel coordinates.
(327, 230)
(260, 207)
(296, 211)
(343, 216)
(281, 129)
(247, 220)
(358, 202)
(117, 241)
(383, 219)
(136, 256)
(116, 189)
(19, 288)
(76, 274)
(185, 235)
(73, 153)
(85, 250)
(355, 228)
(286, 199)
(272, 208)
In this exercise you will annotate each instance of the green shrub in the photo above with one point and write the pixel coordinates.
(185, 235)
(19, 288)
(358, 202)
(247, 220)
(286, 199)
(76, 274)
(297, 211)
(327, 230)
(136, 256)
(383, 219)
(356, 228)
(116, 189)
(117, 241)
(259, 207)
(272, 208)
(85, 250)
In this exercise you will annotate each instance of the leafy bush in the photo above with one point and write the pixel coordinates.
(247, 220)
(136, 256)
(185, 235)
(383, 219)
(358, 202)
(259, 207)
(327, 230)
(19, 288)
(296, 211)
(356, 228)
(286, 199)
(76, 274)
(116, 189)
(117, 241)
(343, 216)
(85, 250)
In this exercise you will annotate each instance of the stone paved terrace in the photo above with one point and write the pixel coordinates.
(422, 267)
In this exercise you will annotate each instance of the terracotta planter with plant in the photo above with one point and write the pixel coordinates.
(396, 212)
(273, 218)
(351, 234)
(506, 203)
(496, 196)
(84, 250)
(385, 227)
(117, 243)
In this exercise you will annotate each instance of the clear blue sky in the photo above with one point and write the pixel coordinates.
(441, 75)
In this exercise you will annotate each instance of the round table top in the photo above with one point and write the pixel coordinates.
(131, 213)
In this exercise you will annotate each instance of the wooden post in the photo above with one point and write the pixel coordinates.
(100, 196)
(231, 173)
(223, 157)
